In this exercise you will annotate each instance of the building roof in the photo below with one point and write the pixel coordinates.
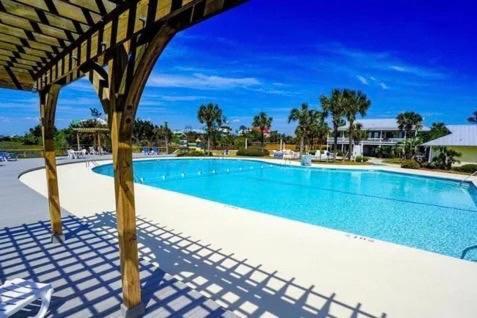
(378, 124)
(461, 135)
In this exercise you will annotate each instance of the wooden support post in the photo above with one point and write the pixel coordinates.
(128, 70)
(48, 100)
(121, 144)
(77, 141)
(99, 144)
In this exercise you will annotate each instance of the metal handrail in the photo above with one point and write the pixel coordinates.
(474, 174)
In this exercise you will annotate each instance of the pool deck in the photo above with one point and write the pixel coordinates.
(256, 264)
(85, 270)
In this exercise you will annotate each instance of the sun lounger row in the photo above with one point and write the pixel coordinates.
(285, 154)
(150, 151)
(6, 156)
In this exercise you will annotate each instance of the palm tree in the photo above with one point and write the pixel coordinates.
(473, 118)
(357, 103)
(335, 105)
(408, 121)
(307, 119)
(210, 115)
(164, 132)
(263, 122)
(358, 134)
(319, 131)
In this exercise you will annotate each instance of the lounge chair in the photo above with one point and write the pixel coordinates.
(71, 154)
(290, 154)
(325, 156)
(18, 293)
(12, 157)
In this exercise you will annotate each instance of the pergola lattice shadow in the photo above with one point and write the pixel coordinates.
(86, 276)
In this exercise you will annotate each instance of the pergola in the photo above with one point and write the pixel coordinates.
(95, 131)
(47, 44)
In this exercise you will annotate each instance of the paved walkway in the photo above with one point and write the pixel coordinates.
(19, 203)
(84, 271)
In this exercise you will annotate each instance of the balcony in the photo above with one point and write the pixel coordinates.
(369, 141)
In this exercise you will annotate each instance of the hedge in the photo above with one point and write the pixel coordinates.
(468, 168)
(253, 152)
(410, 164)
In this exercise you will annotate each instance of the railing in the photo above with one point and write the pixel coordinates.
(368, 140)
(474, 174)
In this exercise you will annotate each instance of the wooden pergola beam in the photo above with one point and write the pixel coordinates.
(23, 56)
(37, 26)
(32, 10)
(101, 7)
(63, 9)
(127, 22)
(32, 36)
(15, 78)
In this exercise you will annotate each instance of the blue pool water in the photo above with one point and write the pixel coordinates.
(428, 213)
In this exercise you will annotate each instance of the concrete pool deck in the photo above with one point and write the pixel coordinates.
(261, 265)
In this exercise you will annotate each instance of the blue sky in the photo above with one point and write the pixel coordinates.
(273, 55)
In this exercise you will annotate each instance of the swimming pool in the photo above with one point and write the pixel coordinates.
(428, 213)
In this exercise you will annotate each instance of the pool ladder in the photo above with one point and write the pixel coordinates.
(468, 178)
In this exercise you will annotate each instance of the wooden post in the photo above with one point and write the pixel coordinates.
(99, 143)
(77, 141)
(128, 70)
(48, 100)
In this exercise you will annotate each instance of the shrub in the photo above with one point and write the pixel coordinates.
(361, 159)
(192, 153)
(410, 164)
(468, 168)
(253, 152)
(445, 158)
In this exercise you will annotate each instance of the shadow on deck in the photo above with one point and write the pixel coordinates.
(85, 274)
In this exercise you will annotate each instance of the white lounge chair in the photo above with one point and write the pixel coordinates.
(18, 293)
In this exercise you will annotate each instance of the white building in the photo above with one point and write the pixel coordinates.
(380, 132)
(462, 138)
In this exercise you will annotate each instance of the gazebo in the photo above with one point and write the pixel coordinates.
(95, 131)
(47, 44)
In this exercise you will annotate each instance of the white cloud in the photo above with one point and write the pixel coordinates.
(417, 71)
(178, 98)
(383, 86)
(202, 81)
(362, 79)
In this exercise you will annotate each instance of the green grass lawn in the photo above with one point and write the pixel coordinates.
(23, 151)
(15, 145)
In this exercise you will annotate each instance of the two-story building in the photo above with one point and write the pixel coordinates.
(379, 132)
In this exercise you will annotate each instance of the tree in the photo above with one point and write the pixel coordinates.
(143, 132)
(356, 103)
(473, 118)
(306, 119)
(319, 131)
(445, 159)
(210, 115)
(358, 134)
(409, 121)
(437, 130)
(263, 122)
(164, 132)
(34, 136)
(95, 113)
(334, 105)
(408, 147)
